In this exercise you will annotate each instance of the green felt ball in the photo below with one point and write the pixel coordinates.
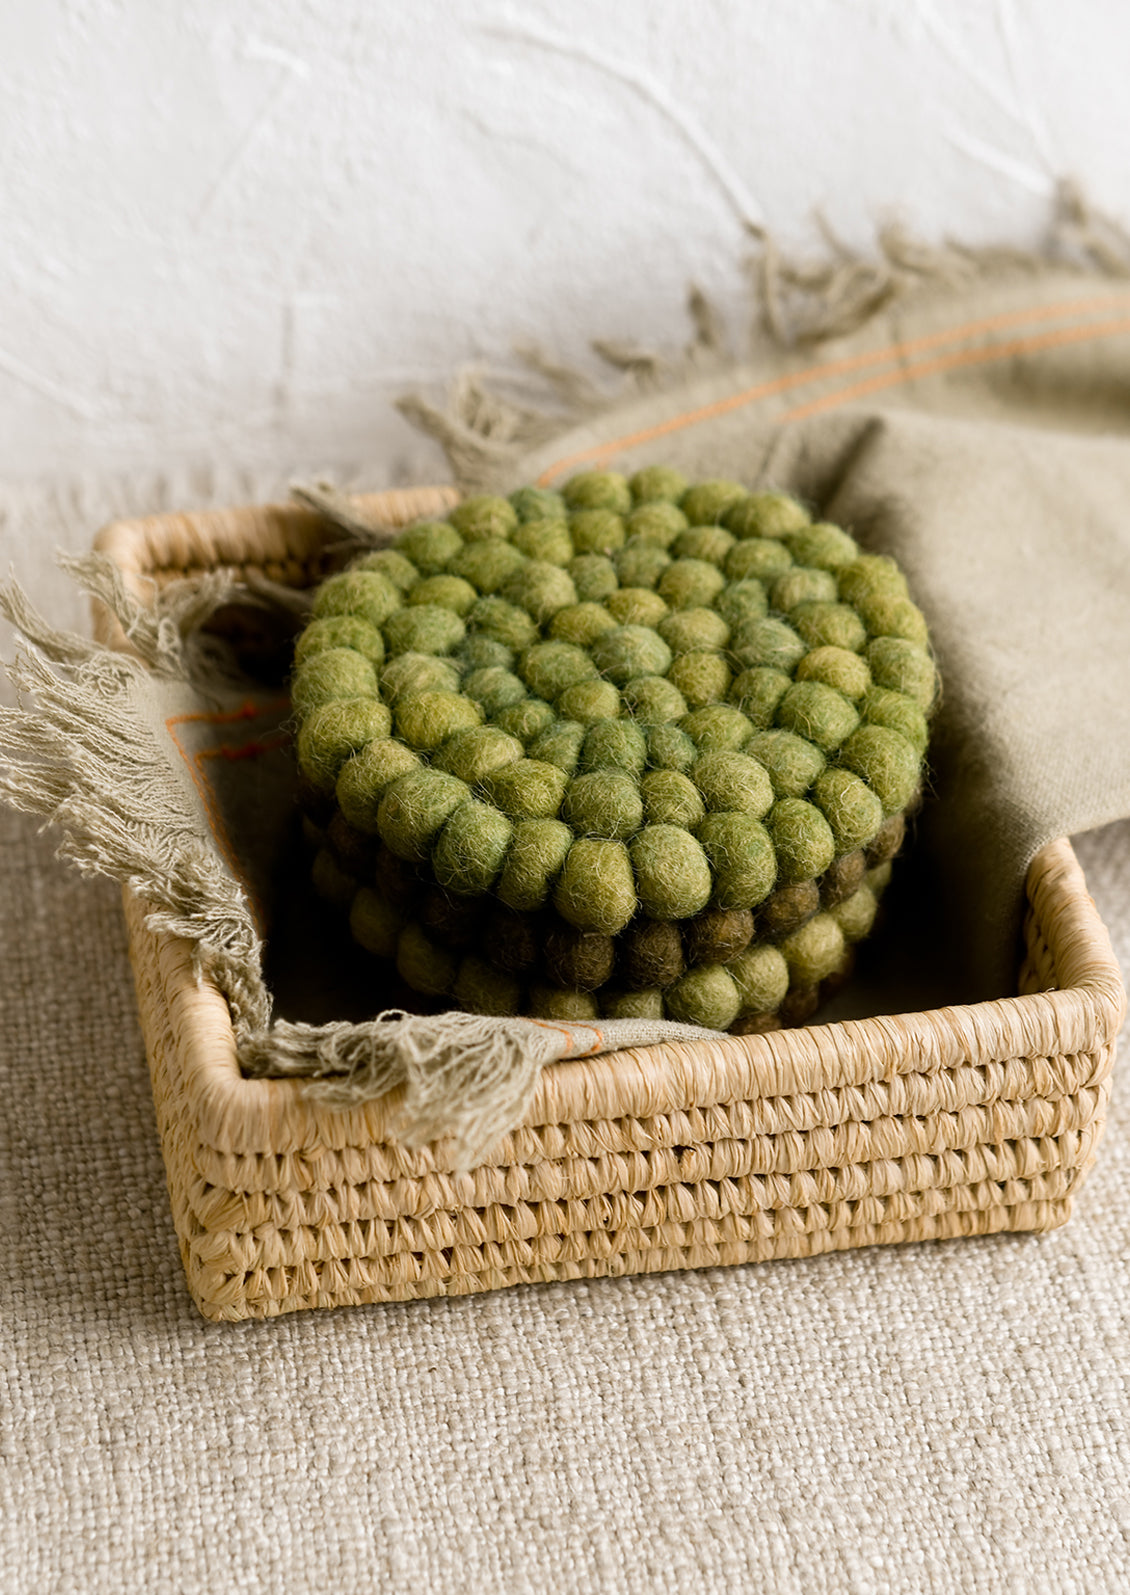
(365, 593)
(534, 860)
(545, 540)
(596, 531)
(472, 846)
(364, 778)
(670, 798)
(690, 584)
(646, 1004)
(494, 688)
(559, 743)
(766, 515)
(474, 754)
(525, 720)
(742, 856)
(802, 585)
(480, 988)
(430, 545)
(706, 996)
(903, 667)
(886, 761)
(658, 523)
(530, 789)
(484, 517)
(426, 719)
(603, 803)
(882, 706)
(483, 653)
(879, 878)
(424, 629)
(870, 576)
(588, 701)
(672, 872)
(888, 616)
(598, 490)
(652, 700)
(331, 675)
(502, 622)
(630, 651)
(374, 923)
(838, 668)
(827, 625)
(802, 839)
(769, 642)
(538, 504)
(560, 1006)
(449, 592)
(711, 543)
(641, 564)
(718, 728)
(856, 914)
(822, 545)
(669, 748)
(815, 951)
(581, 624)
(596, 889)
(691, 630)
(707, 503)
(541, 590)
(331, 733)
(733, 783)
(549, 667)
(702, 678)
(594, 577)
(411, 673)
(423, 964)
(793, 764)
(816, 711)
(850, 807)
(391, 563)
(657, 482)
(415, 807)
(614, 745)
(635, 606)
(757, 559)
(488, 566)
(742, 603)
(757, 693)
(340, 631)
(762, 978)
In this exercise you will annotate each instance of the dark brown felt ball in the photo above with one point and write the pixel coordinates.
(651, 954)
(718, 935)
(788, 909)
(580, 960)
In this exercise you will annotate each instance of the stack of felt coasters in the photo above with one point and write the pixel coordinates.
(638, 748)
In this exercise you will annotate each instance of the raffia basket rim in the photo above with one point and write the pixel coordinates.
(241, 1116)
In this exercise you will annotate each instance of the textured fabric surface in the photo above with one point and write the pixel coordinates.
(948, 1417)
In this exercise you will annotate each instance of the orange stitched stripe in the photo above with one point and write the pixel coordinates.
(602, 452)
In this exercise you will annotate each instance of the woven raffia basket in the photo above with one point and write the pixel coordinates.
(960, 1121)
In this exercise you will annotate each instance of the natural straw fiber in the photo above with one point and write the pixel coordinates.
(959, 1121)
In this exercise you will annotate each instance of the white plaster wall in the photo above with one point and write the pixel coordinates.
(235, 231)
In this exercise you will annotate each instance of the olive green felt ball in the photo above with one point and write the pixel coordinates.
(904, 667)
(596, 889)
(481, 653)
(537, 504)
(659, 523)
(646, 1004)
(711, 543)
(449, 592)
(817, 712)
(888, 616)
(481, 989)
(733, 783)
(423, 964)
(563, 1007)
(702, 678)
(636, 606)
(340, 631)
(598, 490)
(537, 852)
(560, 743)
(879, 878)
(838, 668)
(691, 630)
(886, 761)
(506, 623)
(603, 803)
(815, 951)
(414, 809)
(743, 601)
(581, 624)
(328, 676)
(331, 733)
(828, 625)
(483, 517)
(474, 754)
(541, 590)
(672, 872)
(472, 847)
(549, 667)
(870, 576)
(545, 540)
(706, 996)
(652, 700)
(488, 566)
(757, 693)
(883, 706)
(365, 593)
(856, 914)
(594, 577)
(390, 562)
(766, 515)
(757, 559)
(411, 673)
(718, 728)
(588, 701)
(822, 545)
(365, 776)
(596, 532)
(425, 629)
(762, 978)
(614, 745)
(331, 882)
(718, 935)
(430, 545)
(707, 503)
(690, 583)
(426, 719)
(651, 954)
(657, 482)
(530, 789)
(669, 748)
(374, 923)
(793, 764)
(769, 642)
(851, 808)
(525, 720)
(802, 840)
(741, 853)
(641, 564)
(670, 798)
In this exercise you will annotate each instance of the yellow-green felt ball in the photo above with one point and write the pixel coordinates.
(614, 745)
(885, 707)
(802, 840)
(903, 667)
(415, 807)
(474, 754)
(856, 914)
(430, 545)
(706, 503)
(340, 631)
(390, 562)
(657, 522)
(333, 674)
(426, 719)
(375, 924)
(691, 630)
(530, 789)
(483, 653)
(757, 559)
(549, 667)
(652, 700)
(534, 860)
(537, 504)
(545, 540)
(494, 689)
(793, 764)
(422, 964)
(757, 693)
(657, 483)
(828, 625)
(706, 996)
(818, 712)
(598, 490)
(718, 728)
(628, 652)
(596, 889)
(669, 748)
(541, 590)
(449, 592)
(871, 576)
(802, 585)
(596, 532)
(603, 803)
(741, 852)
(365, 593)
(762, 978)
(671, 798)
(888, 616)
(525, 720)
(483, 517)
(560, 744)
(488, 566)
(646, 1004)
(330, 734)
(702, 678)
(690, 584)
(851, 808)
(594, 577)
(770, 643)
(815, 951)
(411, 673)
(886, 761)
(588, 701)
(822, 545)
(472, 847)
(365, 776)
(733, 783)
(766, 515)
(641, 564)
(564, 1007)
(672, 872)
(425, 629)
(711, 543)
(742, 602)
(838, 668)
(502, 622)
(635, 606)
(581, 624)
